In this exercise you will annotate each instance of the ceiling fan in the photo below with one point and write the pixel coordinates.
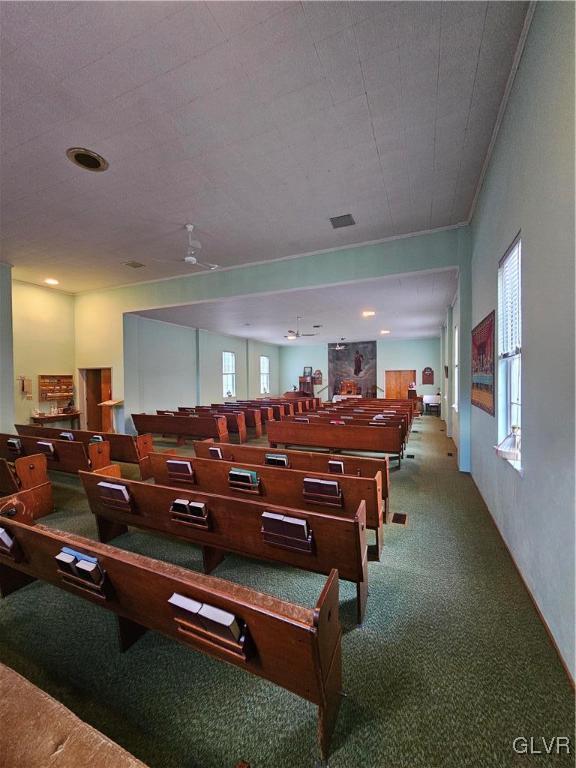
(193, 247)
(297, 334)
(338, 346)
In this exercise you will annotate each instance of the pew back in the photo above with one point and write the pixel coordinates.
(128, 449)
(297, 648)
(62, 455)
(313, 461)
(337, 437)
(283, 487)
(234, 525)
(182, 426)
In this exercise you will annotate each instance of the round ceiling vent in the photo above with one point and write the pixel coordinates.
(87, 159)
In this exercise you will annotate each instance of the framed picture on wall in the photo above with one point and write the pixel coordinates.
(483, 364)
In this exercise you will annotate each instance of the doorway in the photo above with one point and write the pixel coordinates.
(95, 387)
(397, 382)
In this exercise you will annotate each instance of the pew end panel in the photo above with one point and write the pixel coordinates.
(31, 470)
(28, 505)
(329, 650)
(99, 455)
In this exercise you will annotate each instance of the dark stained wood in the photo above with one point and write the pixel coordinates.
(337, 437)
(47, 418)
(235, 525)
(69, 456)
(308, 461)
(128, 449)
(29, 504)
(183, 427)
(293, 647)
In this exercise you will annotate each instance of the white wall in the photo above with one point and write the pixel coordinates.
(530, 188)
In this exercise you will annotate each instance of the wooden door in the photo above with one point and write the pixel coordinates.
(98, 389)
(397, 382)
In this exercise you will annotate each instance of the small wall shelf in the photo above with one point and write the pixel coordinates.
(59, 387)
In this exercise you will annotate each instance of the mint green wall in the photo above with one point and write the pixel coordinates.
(43, 328)
(294, 358)
(399, 354)
(210, 361)
(529, 188)
(167, 377)
(185, 367)
(391, 354)
(255, 349)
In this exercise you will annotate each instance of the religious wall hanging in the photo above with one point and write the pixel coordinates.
(483, 364)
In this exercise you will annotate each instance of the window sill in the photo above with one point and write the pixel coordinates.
(516, 465)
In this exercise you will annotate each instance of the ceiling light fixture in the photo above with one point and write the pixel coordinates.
(51, 281)
(384, 333)
(368, 313)
(87, 159)
(291, 336)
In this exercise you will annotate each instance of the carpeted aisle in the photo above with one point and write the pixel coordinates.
(451, 664)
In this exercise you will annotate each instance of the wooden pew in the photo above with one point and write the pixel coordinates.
(337, 437)
(266, 412)
(235, 421)
(127, 449)
(235, 525)
(357, 419)
(253, 416)
(286, 488)
(27, 474)
(312, 461)
(62, 455)
(184, 427)
(294, 647)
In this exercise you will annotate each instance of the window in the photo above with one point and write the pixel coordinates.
(510, 346)
(228, 374)
(456, 368)
(264, 375)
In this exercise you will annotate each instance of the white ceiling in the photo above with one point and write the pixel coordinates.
(409, 306)
(256, 121)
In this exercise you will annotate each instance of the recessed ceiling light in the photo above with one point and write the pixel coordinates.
(51, 281)
(384, 333)
(368, 313)
(87, 159)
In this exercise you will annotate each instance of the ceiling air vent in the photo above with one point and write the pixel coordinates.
(342, 221)
(133, 264)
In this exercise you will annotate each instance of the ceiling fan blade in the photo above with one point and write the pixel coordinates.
(308, 334)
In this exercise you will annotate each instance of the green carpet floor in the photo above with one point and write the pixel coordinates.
(451, 664)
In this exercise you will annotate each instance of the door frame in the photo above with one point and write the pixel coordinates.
(82, 389)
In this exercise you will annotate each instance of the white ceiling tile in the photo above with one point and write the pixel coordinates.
(257, 122)
(327, 17)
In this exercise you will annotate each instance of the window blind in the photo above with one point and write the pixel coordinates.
(228, 362)
(264, 364)
(509, 318)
